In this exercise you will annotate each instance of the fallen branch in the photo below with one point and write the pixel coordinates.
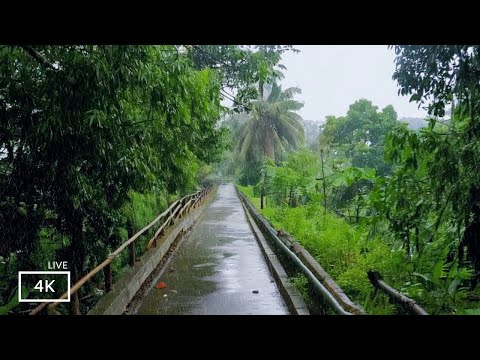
(407, 303)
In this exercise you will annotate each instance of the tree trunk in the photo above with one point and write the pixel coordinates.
(269, 150)
(74, 300)
(407, 244)
(471, 236)
(76, 256)
(357, 213)
(417, 239)
(269, 135)
(323, 184)
(131, 232)
(261, 199)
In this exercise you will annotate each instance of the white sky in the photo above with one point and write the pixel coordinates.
(334, 76)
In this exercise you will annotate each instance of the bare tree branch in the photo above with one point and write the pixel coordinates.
(37, 56)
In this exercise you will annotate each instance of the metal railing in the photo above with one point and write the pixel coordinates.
(271, 233)
(175, 211)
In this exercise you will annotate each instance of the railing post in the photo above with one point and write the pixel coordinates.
(74, 308)
(107, 272)
(132, 254)
(180, 215)
(131, 232)
(74, 304)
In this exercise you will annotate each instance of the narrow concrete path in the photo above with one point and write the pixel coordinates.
(218, 268)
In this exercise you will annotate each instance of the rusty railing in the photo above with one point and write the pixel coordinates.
(175, 211)
(408, 304)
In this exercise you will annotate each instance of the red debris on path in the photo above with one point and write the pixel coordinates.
(161, 285)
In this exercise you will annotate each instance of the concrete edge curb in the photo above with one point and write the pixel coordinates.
(290, 293)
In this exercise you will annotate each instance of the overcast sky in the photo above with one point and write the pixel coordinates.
(334, 76)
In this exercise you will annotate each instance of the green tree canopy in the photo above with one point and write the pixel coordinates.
(448, 156)
(82, 125)
(361, 134)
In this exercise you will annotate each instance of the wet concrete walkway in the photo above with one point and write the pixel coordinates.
(217, 268)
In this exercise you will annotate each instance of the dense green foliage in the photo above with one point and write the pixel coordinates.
(360, 135)
(376, 195)
(342, 250)
(90, 135)
(96, 140)
(442, 159)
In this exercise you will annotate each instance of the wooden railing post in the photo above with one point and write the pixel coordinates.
(181, 209)
(74, 305)
(132, 254)
(131, 232)
(107, 272)
(74, 308)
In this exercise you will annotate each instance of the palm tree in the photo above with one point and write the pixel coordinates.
(273, 125)
(272, 128)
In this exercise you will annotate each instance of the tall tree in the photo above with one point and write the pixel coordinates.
(361, 134)
(272, 128)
